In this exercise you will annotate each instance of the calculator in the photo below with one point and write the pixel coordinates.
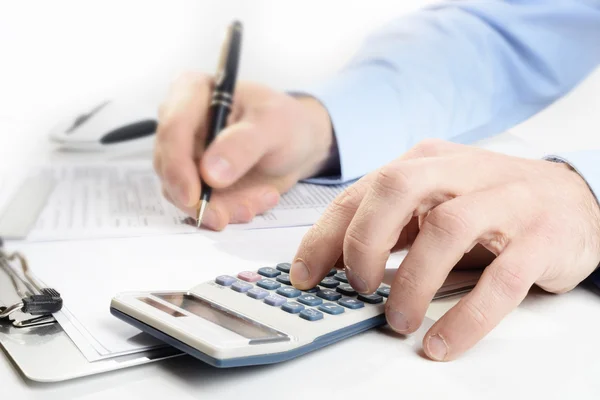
(255, 317)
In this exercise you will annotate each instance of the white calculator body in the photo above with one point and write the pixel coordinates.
(254, 318)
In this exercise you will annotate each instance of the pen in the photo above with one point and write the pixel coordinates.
(222, 97)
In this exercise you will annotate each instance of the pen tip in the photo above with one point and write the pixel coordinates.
(200, 213)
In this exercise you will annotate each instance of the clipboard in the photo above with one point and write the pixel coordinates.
(45, 353)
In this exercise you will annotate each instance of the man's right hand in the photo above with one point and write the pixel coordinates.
(272, 141)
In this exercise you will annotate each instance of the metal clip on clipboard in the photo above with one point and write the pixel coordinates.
(37, 301)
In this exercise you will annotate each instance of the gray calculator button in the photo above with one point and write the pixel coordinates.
(268, 284)
(331, 308)
(370, 298)
(269, 272)
(284, 278)
(288, 291)
(351, 303)
(225, 280)
(329, 283)
(341, 276)
(346, 290)
(329, 294)
(332, 272)
(257, 293)
(384, 291)
(313, 290)
(284, 267)
(311, 314)
(241, 287)
(274, 300)
(309, 300)
(292, 307)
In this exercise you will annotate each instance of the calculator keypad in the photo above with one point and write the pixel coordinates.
(288, 291)
(268, 284)
(332, 297)
(284, 278)
(310, 300)
(241, 287)
(274, 300)
(310, 314)
(249, 276)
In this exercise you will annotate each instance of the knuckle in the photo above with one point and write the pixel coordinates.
(447, 221)
(192, 78)
(357, 241)
(392, 180)
(476, 313)
(429, 147)
(348, 200)
(508, 283)
(407, 280)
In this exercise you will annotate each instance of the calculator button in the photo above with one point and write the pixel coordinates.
(311, 315)
(284, 267)
(309, 300)
(268, 272)
(332, 272)
(384, 291)
(351, 303)
(225, 280)
(341, 276)
(288, 291)
(346, 290)
(249, 276)
(268, 284)
(292, 307)
(331, 308)
(329, 294)
(329, 283)
(241, 287)
(370, 298)
(313, 290)
(285, 279)
(274, 300)
(257, 293)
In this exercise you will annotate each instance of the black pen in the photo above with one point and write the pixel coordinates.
(222, 97)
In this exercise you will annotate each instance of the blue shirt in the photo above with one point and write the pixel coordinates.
(461, 71)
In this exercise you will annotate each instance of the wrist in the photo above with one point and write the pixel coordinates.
(326, 160)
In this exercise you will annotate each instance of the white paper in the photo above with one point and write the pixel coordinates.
(92, 201)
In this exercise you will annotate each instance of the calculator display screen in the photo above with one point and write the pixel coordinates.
(250, 329)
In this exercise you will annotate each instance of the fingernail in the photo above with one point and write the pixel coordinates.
(299, 273)
(219, 168)
(397, 321)
(356, 281)
(270, 199)
(210, 219)
(437, 347)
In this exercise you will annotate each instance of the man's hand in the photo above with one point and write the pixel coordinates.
(272, 141)
(440, 200)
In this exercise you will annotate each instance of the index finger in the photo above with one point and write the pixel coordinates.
(182, 118)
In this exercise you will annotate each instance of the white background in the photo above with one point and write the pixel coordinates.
(56, 55)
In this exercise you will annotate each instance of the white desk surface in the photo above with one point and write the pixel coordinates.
(63, 53)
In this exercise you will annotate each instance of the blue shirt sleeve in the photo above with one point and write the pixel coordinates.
(460, 71)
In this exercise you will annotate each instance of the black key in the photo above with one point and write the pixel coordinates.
(268, 272)
(384, 291)
(329, 283)
(370, 298)
(284, 267)
(346, 290)
(332, 272)
(341, 276)
(329, 294)
(284, 278)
